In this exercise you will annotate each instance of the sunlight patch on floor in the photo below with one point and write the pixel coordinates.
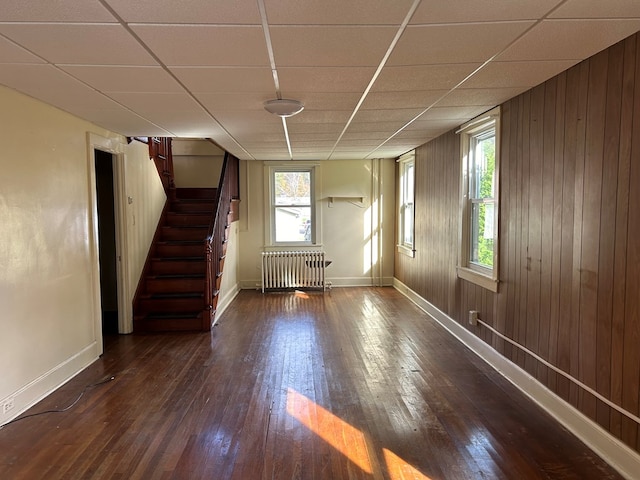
(345, 438)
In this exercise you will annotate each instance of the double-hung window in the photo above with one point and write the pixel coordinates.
(406, 213)
(292, 206)
(479, 204)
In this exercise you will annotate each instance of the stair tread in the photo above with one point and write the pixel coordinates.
(176, 295)
(180, 259)
(165, 315)
(179, 242)
(162, 276)
(185, 226)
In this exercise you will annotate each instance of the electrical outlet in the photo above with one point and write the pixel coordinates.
(473, 317)
(8, 405)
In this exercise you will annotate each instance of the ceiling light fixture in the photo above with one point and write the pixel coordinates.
(283, 107)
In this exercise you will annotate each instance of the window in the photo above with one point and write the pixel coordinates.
(406, 214)
(292, 212)
(479, 239)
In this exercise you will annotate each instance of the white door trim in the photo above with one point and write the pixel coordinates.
(125, 315)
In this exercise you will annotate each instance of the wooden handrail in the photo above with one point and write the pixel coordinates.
(215, 243)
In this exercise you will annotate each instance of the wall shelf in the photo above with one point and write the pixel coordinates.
(357, 200)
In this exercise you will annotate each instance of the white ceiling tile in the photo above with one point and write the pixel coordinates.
(387, 115)
(408, 99)
(205, 44)
(451, 11)
(238, 122)
(79, 44)
(337, 12)
(54, 11)
(516, 74)
(377, 137)
(53, 86)
(387, 127)
(555, 39)
(234, 101)
(422, 77)
(122, 121)
(320, 116)
(479, 96)
(325, 79)
(335, 128)
(239, 12)
(465, 43)
(325, 100)
(452, 113)
(330, 46)
(226, 79)
(432, 126)
(157, 103)
(12, 53)
(188, 124)
(597, 9)
(124, 78)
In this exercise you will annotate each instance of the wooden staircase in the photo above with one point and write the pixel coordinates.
(172, 295)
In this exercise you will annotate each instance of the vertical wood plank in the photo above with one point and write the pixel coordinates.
(583, 90)
(622, 212)
(558, 179)
(606, 261)
(592, 209)
(546, 247)
(565, 332)
(631, 366)
(523, 147)
(534, 227)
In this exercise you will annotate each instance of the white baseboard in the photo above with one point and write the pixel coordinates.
(625, 460)
(48, 382)
(225, 301)
(334, 281)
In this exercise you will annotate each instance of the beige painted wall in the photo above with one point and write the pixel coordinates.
(196, 163)
(350, 228)
(48, 324)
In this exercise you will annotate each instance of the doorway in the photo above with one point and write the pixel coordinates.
(105, 203)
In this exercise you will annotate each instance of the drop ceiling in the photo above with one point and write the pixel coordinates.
(377, 77)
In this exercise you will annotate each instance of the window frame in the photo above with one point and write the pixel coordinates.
(406, 161)
(470, 134)
(270, 205)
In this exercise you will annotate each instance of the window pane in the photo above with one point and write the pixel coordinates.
(408, 225)
(482, 219)
(292, 188)
(482, 179)
(293, 224)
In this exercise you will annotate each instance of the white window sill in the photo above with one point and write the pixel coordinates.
(478, 278)
(409, 252)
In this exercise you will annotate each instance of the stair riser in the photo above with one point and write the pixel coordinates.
(171, 267)
(174, 285)
(176, 305)
(177, 233)
(169, 325)
(174, 219)
(187, 207)
(168, 250)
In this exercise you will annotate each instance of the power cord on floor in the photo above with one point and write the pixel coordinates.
(69, 407)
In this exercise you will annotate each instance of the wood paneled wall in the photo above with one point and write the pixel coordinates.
(569, 235)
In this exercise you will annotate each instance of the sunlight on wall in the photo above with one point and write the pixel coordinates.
(345, 438)
(367, 248)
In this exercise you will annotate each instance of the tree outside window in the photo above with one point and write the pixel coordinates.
(478, 261)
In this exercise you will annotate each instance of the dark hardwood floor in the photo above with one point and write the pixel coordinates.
(353, 384)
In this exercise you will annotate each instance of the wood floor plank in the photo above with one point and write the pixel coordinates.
(357, 383)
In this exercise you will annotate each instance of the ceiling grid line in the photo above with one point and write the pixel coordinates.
(374, 80)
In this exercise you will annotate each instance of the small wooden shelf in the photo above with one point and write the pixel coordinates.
(357, 200)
